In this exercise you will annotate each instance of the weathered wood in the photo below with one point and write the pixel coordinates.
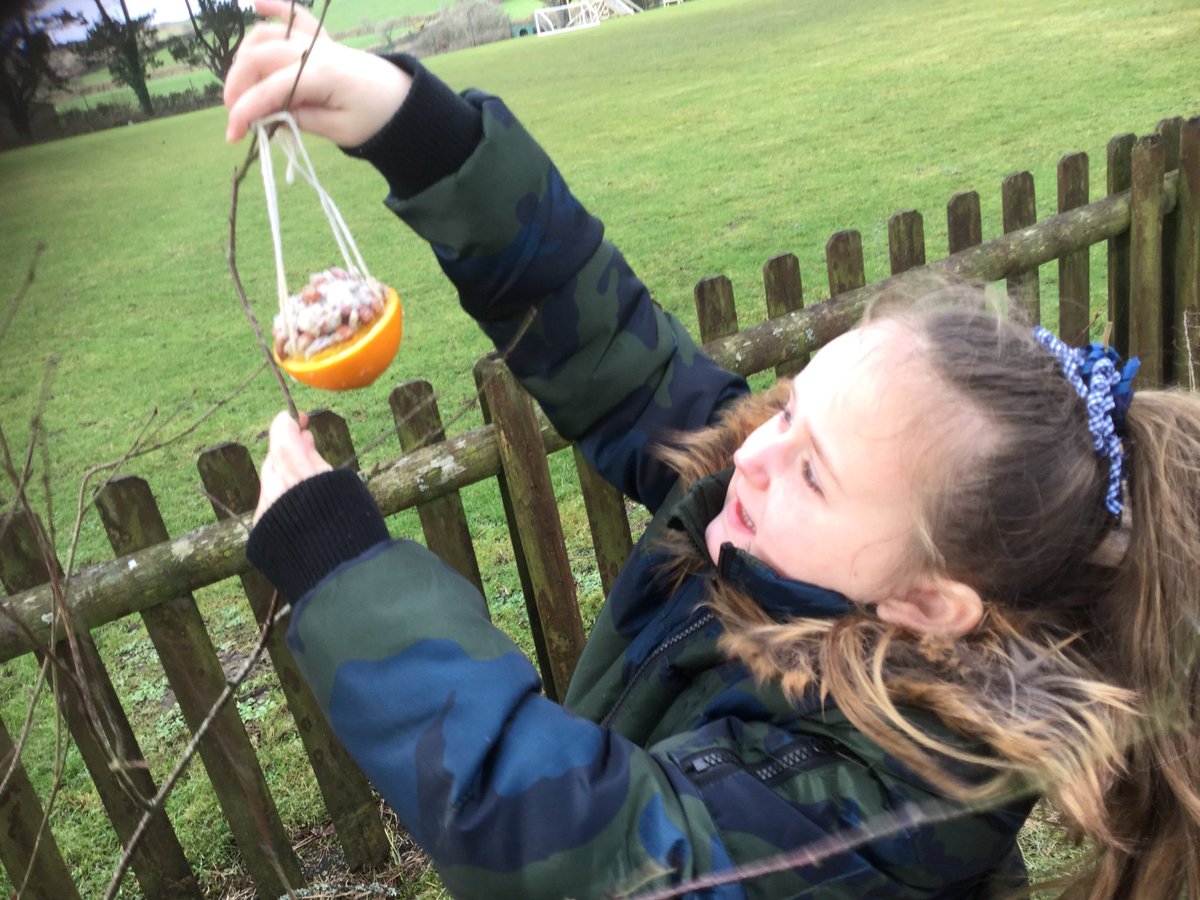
(607, 521)
(715, 308)
(184, 648)
(1020, 212)
(443, 520)
(481, 371)
(1145, 244)
(1119, 177)
(844, 262)
(100, 727)
(331, 436)
(215, 552)
(964, 222)
(1074, 278)
(1170, 131)
(1187, 259)
(43, 873)
(523, 456)
(906, 241)
(232, 484)
(785, 294)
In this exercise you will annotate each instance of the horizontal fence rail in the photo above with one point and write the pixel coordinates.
(1149, 221)
(213, 553)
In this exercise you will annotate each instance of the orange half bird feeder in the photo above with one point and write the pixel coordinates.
(343, 329)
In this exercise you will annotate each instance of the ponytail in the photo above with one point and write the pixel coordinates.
(1152, 622)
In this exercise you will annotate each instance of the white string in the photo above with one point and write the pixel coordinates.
(290, 143)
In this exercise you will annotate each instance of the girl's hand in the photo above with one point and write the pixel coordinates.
(344, 95)
(291, 457)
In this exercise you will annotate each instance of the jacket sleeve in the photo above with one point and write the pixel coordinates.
(610, 368)
(510, 794)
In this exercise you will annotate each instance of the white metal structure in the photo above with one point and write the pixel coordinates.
(580, 14)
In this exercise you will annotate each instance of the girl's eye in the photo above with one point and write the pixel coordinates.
(810, 477)
(785, 416)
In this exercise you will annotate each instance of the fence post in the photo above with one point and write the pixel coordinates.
(232, 484)
(132, 520)
(715, 308)
(1187, 258)
(785, 294)
(447, 533)
(964, 223)
(844, 262)
(1020, 211)
(906, 241)
(1120, 178)
(42, 871)
(480, 372)
(1145, 244)
(1074, 278)
(100, 727)
(331, 436)
(1170, 130)
(607, 521)
(523, 457)
(36, 863)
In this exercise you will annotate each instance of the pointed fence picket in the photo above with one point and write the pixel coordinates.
(1149, 220)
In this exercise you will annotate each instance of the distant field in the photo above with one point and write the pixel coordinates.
(709, 136)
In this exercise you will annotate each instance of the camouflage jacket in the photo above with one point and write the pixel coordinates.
(666, 761)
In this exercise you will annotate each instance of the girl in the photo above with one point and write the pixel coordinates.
(949, 567)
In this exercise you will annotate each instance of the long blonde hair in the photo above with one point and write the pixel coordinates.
(1082, 681)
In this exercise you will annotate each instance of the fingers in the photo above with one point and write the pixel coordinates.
(260, 87)
(291, 458)
(303, 20)
(293, 449)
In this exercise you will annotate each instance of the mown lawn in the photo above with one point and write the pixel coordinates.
(708, 136)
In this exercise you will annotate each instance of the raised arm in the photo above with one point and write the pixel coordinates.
(611, 369)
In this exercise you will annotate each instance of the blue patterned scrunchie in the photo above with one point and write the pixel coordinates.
(1105, 384)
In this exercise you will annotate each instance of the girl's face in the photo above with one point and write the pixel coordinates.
(825, 492)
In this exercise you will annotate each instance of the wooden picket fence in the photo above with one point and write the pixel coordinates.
(1149, 219)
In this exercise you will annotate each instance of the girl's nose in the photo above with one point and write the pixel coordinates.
(759, 455)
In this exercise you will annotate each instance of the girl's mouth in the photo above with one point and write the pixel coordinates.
(743, 518)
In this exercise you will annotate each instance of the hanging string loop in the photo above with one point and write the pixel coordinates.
(281, 128)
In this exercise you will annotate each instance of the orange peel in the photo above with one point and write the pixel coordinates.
(357, 362)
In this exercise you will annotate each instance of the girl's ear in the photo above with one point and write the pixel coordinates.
(934, 605)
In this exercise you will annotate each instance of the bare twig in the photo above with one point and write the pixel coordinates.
(906, 818)
(19, 297)
(231, 260)
(26, 727)
(239, 175)
(231, 686)
(502, 354)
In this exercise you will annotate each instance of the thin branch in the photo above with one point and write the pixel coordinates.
(19, 297)
(906, 818)
(239, 175)
(26, 727)
(502, 354)
(193, 746)
(231, 260)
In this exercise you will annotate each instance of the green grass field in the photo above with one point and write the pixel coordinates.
(708, 136)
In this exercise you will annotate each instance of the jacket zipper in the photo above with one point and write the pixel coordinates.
(769, 769)
(648, 661)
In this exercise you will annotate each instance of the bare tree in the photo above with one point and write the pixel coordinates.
(128, 46)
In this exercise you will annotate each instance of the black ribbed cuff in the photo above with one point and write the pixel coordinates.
(313, 528)
(430, 136)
